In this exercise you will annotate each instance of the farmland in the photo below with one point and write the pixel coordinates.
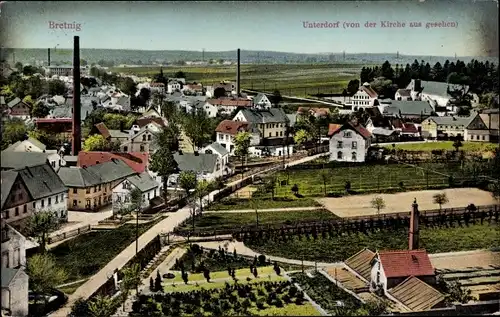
(266, 203)
(290, 79)
(444, 145)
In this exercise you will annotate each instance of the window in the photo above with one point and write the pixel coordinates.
(483, 137)
(105, 188)
(339, 144)
(277, 133)
(57, 199)
(354, 156)
(75, 191)
(43, 203)
(149, 196)
(154, 194)
(141, 148)
(354, 144)
(49, 201)
(5, 259)
(281, 133)
(75, 202)
(34, 204)
(144, 138)
(88, 190)
(87, 204)
(149, 137)
(99, 200)
(16, 211)
(125, 149)
(100, 187)
(95, 189)
(347, 134)
(53, 164)
(269, 134)
(339, 155)
(25, 209)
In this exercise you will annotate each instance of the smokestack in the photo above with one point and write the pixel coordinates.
(414, 231)
(238, 87)
(48, 56)
(77, 137)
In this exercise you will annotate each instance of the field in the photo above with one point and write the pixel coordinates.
(221, 221)
(360, 205)
(290, 79)
(339, 248)
(365, 178)
(445, 145)
(86, 254)
(240, 204)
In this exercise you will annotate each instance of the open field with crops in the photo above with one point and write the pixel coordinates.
(266, 203)
(445, 145)
(290, 79)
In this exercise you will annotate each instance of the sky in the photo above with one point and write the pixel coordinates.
(270, 26)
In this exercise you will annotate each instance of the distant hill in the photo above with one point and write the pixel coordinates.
(144, 57)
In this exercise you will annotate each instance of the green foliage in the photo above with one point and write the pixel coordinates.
(101, 306)
(131, 279)
(197, 127)
(163, 163)
(242, 144)
(301, 136)
(50, 140)
(13, 130)
(56, 87)
(96, 142)
(378, 203)
(80, 308)
(40, 224)
(40, 110)
(457, 293)
(187, 181)
(44, 275)
(440, 199)
(127, 86)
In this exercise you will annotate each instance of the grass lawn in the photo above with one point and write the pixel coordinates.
(70, 289)
(237, 204)
(220, 221)
(86, 254)
(289, 310)
(240, 274)
(366, 177)
(202, 284)
(434, 240)
(444, 145)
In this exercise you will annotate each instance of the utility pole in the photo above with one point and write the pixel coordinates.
(203, 55)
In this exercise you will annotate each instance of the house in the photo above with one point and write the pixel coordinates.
(148, 186)
(17, 108)
(216, 148)
(174, 85)
(491, 118)
(391, 268)
(403, 95)
(141, 139)
(228, 129)
(206, 166)
(226, 106)
(138, 161)
(470, 128)
(120, 136)
(364, 97)
(261, 101)
(33, 145)
(194, 87)
(305, 112)
(228, 87)
(416, 295)
(433, 92)
(413, 110)
(91, 188)
(272, 123)
(16, 200)
(157, 87)
(60, 126)
(13, 247)
(273, 147)
(348, 142)
(15, 291)
(210, 109)
(60, 70)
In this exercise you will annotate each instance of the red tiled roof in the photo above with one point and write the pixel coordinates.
(318, 111)
(230, 102)
(397, 123)
(406, 263)
(135, 160)
(157, 85)
(332, 127)
(141, 122)
(194, 87)
(369, 90)
(232, 127)
(58, 120)
(361, 130)
(103, 130)
(409, 128)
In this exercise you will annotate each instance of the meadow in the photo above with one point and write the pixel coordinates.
(445, 145)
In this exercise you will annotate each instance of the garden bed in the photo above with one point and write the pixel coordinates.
(265, 203)
(339, 248)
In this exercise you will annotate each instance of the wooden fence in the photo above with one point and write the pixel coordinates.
(358, 223)
(68, 234)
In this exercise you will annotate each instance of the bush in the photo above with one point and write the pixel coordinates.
(262, 259)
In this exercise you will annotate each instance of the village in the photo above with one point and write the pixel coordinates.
(119, 191)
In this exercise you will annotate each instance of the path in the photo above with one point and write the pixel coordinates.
(465, 259)
(265, 210)
(82, 219)
(165, 226)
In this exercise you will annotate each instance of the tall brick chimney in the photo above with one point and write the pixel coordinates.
(414, 231)
(238, 87)
(48, 56)
(77, 136)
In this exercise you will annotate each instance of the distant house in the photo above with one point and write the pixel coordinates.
(138, 161)
(228, 105)
(216, 148)
(262, 101)
(141, 139)
(348, 142)
(17, 108)
(432, 91)
(205, 106)
(228, 129)
(33, 145)
(414, 110)
(112, 135)
(205, 166)
(391, 268)
(365, 97)
(491, 118)
(272, 123)
(228, 87)
(305, 112)
(143, 182)
(197, 88)
(91, 188)
(470, 128)
(174, 85)
(403, 95)
(157, 87)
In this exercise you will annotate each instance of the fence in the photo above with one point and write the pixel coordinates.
(359, 223)
(68, 234)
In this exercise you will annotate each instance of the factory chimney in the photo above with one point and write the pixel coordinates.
(48, 56)
(238, 87)
(414, 231)
(77, 137)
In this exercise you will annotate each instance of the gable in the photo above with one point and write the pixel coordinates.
(477, 124)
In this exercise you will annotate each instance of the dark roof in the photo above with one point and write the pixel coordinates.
(219, 148)
(265, 115)
(15, 160)
(42, 181)
(408, 108)
(96, 174)
(258, 99)
(141, 122)
(143, 182)
(196, 163)
(8, 179)
(8, 276)
(404, 92)
(406, 263)
(453, 120)
(66, 111)
(35, 142)
(361, 263)
(15, 102)
(416, 294)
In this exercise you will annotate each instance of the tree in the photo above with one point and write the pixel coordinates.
(164, 164)
(276, 98)
(352, 86)
(56, 87)
(180, 74)
(242, 142)
(457, 293)
(39, 110)
(457, 144)
(325, 177)
(219, 92)
(197, 127)
(185, 277)
(101, 306)
(440, 199)
(40, 225)
(301, 136)
(131, 279)
(152, 284)
(96, 142)
(206, 274)
(18, 66)
(344, 93)
(13, 130)
(270, 185)
(43, 274)
(187, 181)
(158, 286)
(255, 272)
(128, 86)
(378, 203)
(202, 189)
(80, 308)
(295, 189)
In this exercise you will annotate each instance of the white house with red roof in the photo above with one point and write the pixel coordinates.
(227, 130)
(364, 98)
(348, 142)
(391, 268)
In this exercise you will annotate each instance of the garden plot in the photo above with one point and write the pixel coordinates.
(360, 205)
